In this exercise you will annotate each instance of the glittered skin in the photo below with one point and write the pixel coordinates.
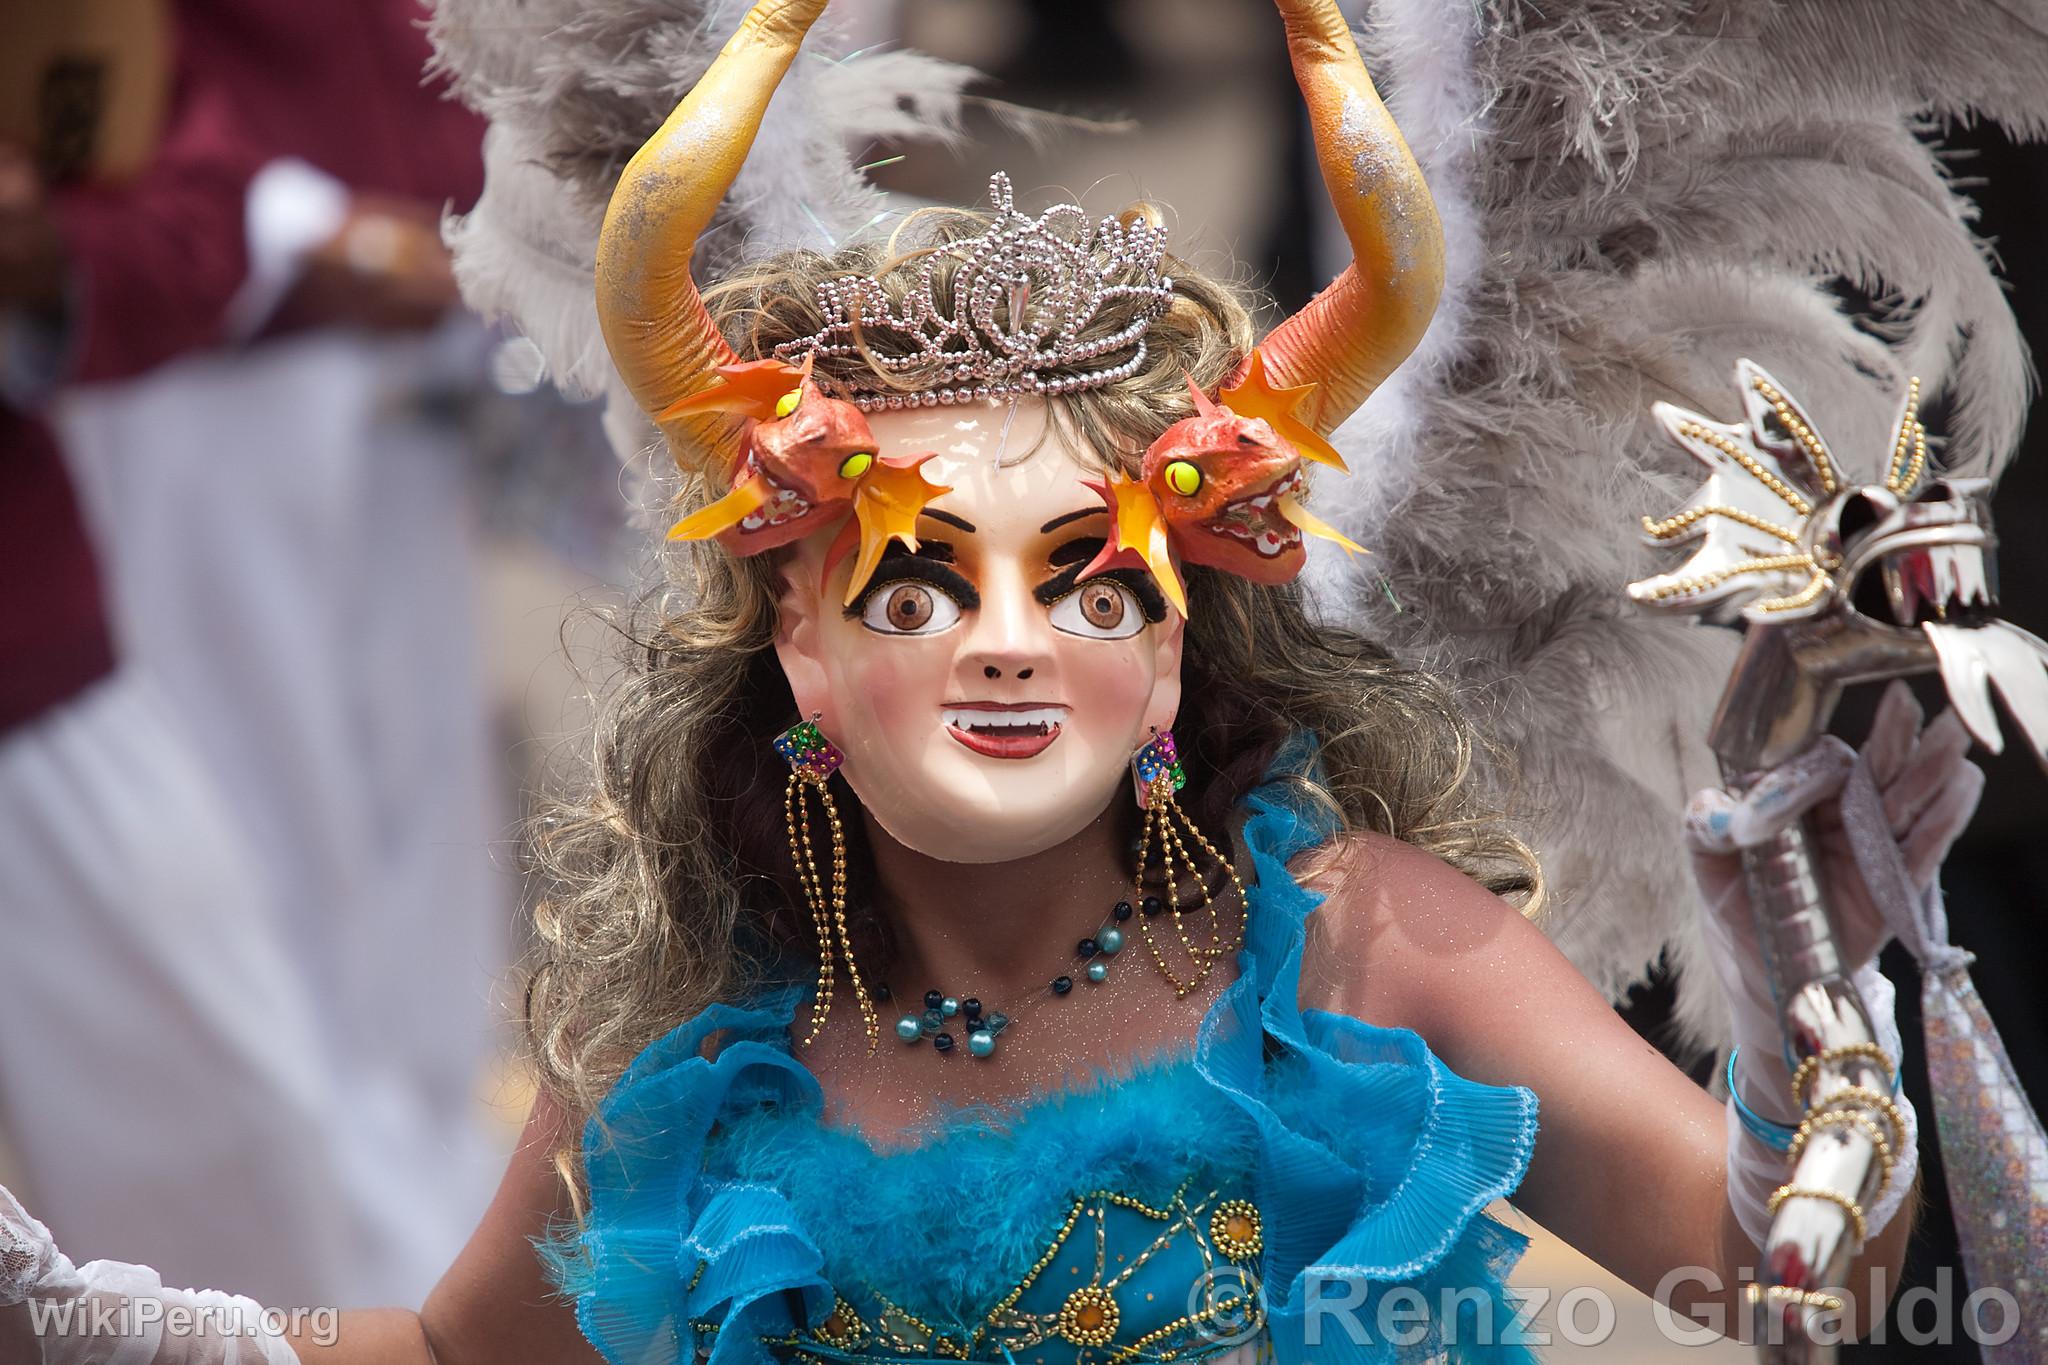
(1996, 1155)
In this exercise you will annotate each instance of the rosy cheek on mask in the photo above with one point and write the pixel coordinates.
(886, 691)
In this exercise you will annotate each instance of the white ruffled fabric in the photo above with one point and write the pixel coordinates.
(113, 1313)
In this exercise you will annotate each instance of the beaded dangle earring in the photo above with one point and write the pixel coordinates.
(812, 760)
(1157, 774)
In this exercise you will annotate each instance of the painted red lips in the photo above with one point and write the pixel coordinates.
(1004, 729)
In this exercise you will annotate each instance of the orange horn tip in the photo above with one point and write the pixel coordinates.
(754, 388)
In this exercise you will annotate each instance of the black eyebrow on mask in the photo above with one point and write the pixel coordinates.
(1077, 551)
(1066, 517)
(899, 564)
(959, 523)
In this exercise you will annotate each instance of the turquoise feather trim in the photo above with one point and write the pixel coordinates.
(1370, 1163)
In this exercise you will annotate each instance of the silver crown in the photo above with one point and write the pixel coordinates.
(1016, 308)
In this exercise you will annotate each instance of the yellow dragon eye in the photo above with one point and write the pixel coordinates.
(1183, 478)
(856, 464)
(789, 402)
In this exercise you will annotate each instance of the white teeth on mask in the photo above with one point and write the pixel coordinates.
(786, 505)
(1250, 519)
(1043, 719)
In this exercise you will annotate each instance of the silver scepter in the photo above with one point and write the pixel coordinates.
(1838, 583)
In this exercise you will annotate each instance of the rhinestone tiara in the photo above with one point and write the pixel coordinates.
(1018, 303)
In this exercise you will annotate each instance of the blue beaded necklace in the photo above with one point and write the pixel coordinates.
(985, 1026)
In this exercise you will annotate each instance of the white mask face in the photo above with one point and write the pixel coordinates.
(987, 704)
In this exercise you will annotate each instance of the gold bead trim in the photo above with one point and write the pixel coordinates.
(1864, 1096)
(1848, 1205)
(1815, 586)
(1236, 1230)
(1909, 446)
(1845, 1118)
(1814, 1062)
(1676, 525)
(842, 1327)
(1808, 438)
(1090, 1316)
(1785, 492)
(1785, 1293)
(1701, 582)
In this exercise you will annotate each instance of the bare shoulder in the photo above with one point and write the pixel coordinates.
(1401, 933)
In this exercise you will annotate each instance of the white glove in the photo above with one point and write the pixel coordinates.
(1910, 793)
(112, 1313)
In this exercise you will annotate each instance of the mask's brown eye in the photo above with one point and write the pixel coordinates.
(1102, 605)
(1101, 609)
(906, 607)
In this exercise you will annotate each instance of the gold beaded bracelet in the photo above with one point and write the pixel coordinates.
(1863, 1096)
(1869, 1051)
(1849, 1206)
(1842, 1118)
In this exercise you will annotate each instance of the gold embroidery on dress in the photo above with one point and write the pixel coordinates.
(1227, 1234)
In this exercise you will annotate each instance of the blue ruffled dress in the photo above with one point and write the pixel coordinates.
(1298, 1186)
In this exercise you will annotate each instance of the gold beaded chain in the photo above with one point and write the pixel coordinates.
(1849, 1106)
(1870, 1052)
(1785, 1293)
(828, 914)
(1846, 1118)
(1808, 438)
(1845, 1202)
(1161, 812)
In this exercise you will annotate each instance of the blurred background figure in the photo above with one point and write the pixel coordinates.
(253, 923)
(290, 540)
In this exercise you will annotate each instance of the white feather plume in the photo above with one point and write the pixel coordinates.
(573, 87)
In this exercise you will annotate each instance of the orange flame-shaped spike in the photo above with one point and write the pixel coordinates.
(1137, 537)
(752, 388)
(1255, 395)
(886, 505)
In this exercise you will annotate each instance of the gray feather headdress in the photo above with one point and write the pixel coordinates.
(1635, 195)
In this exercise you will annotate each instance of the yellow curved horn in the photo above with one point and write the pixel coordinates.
(660, 336)
(1352, 335)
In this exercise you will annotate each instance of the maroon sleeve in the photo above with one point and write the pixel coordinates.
(155, 260)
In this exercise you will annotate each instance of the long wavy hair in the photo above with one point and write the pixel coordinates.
(667, 878)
